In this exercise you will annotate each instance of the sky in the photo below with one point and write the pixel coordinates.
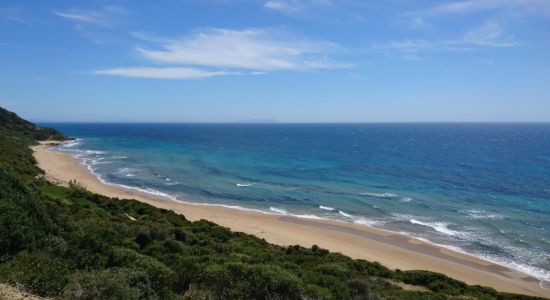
(284, 60)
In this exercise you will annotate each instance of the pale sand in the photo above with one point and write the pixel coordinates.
(390, 249)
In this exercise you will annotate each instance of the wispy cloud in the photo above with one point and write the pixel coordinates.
(251, 49)
(16, 15)
(284, 6)
(513, 11)
(104, 16)
(472, 6)
(509, 8)
(467, 6)
(221, 52)
(488, 35)
(88, 17)
(295, 6)
(161, 73)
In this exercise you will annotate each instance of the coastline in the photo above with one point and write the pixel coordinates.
(389, 248)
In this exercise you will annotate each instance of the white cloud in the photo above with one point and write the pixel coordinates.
(489, 35)
(412, 45)
(541, 7)
(221, 52)
(161, 73)
(83, 16)
(251, 49)
(104, 16)
(16, 15)
(409, 49)
(510, 11)
(294, 6)
(283, 6)
(116, 9)
(466, 6)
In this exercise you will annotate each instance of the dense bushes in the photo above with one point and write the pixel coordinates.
(116, 283)
(41, 272)
(70, 243)
(242, 281)
(23, 220)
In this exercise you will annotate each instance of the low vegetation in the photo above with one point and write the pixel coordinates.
(70, 243)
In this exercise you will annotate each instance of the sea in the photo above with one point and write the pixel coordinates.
(478, 188)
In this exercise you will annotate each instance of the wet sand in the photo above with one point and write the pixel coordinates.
(389, 248)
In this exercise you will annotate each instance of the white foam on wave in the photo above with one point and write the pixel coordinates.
(360, 220)
(278, 210)
(541, 274)
(326, 208)
(126, 170)
(100, 161)
(273, 210)
(308, 217)
(345, 214)
(94, 152)
(152, 192)
(536, 272)
(281, 211)
(88, 163)
(244, 184)
(483, 214)
(367, 222)
(379, 195)
(437, 226)
(406, 199)
(70, 144)
(149, 191)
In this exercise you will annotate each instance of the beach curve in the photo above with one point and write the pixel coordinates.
(389, 248)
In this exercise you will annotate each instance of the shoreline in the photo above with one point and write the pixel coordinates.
(391, 249)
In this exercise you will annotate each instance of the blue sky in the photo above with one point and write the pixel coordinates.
(288, 60)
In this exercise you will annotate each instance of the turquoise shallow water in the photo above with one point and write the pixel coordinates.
(479, 188)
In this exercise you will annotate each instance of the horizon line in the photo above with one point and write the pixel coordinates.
(287, 123)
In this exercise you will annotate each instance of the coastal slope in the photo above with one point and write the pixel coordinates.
(62, 240)
(393, 250)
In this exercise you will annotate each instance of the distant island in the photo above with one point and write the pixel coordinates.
(259, 121)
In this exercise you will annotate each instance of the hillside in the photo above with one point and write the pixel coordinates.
(70, 243)
(11, 124)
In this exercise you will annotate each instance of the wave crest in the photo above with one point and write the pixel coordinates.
(437, 226)
(379, 195)
(278, 210)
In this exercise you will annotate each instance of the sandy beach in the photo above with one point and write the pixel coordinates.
(390, 249)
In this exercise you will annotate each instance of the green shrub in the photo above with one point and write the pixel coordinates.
(42, 273)
(242, 281)
(119, 283)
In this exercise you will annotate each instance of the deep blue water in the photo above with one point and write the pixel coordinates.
(483, 188)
